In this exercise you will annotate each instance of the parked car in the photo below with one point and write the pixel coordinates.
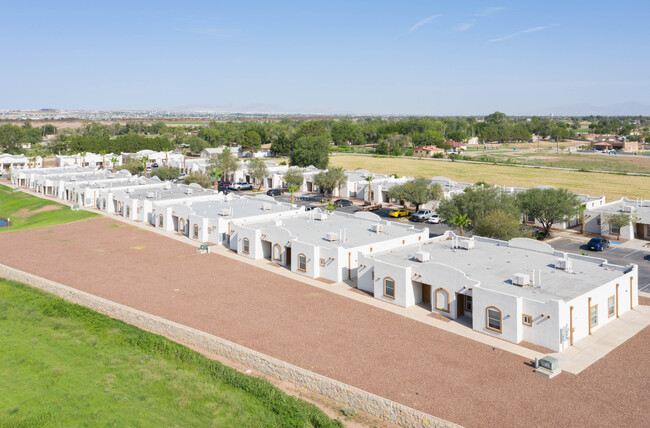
(342, 203)
(421, 215)
(598, 244)
(310, 208)
(274, 192)
(241, 185)
(434, 218)
(154, 165)
(399, 213)
(225, 184)
(369, 206)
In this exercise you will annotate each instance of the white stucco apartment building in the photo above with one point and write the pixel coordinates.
(521, 290)
(10, 162)
(210, 221)
(596, 219)
(319, 244)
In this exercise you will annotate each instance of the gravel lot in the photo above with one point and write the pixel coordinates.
(429, 369)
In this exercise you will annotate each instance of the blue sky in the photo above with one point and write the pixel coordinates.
(382, 57)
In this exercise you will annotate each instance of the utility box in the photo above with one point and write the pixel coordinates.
(549, 363)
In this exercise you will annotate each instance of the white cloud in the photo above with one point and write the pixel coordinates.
(529, 30)
(464, 26)
(419, 24)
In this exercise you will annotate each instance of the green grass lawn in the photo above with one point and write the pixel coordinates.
(613, 163)
(27, 211)
(64, 365)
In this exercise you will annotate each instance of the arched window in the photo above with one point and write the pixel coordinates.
(302, 262)
(442, 300)
(181, 225)
(389, 287)
(196, 231)
(493, 318)
(160, 220)
(277, 252)
(245, 246)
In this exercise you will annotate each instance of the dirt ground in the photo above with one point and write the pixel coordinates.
(420, 366)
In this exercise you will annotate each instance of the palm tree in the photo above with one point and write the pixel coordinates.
(331, 206)
(339, 177)
(460, 220)
(103, 153)
(216, 174)
(292, 189)
(581, 212)
(184, 154)
(83, 159)
(369, 180)
(145, 160)
(114, 162)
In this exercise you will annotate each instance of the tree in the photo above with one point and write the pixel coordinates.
(166, 173)
(311, 151)
(325, 181)
(418, 192)
(294, 176)
(134, 166)
(501, 225)
(252, 142)
(620, 220)
(258, 171)
(477, 201)
(196, 144)
(114, 161)
(293, 188)
(331, 207)
(198, 177)
(215, 173)
(145, 161)
(460, 221)
(369, 180)
(224, 161)
(548, 205)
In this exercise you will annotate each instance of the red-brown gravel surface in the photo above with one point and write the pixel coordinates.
(423, 367)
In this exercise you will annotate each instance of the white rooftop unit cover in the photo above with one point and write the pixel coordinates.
(377, 227)
(150, 194)
(521, 279)
(320, 216)
(225, 212)
(422, 256)
(188, 191)
(332, 236)
(267, 206)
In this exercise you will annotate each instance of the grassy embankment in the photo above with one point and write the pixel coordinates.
(27, 211)
(611, 185)
(65, 365)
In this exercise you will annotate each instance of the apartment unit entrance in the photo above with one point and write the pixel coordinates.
(426, 295)
(463, 305)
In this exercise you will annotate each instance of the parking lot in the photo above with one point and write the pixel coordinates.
(614, 254)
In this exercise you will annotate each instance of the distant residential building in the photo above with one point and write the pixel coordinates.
(427, 151)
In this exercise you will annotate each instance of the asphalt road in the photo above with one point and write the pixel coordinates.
(614, 254)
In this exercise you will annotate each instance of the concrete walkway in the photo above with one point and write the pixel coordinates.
(573, 360)
(592, 348)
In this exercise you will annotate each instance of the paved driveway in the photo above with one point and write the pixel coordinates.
(615, 254)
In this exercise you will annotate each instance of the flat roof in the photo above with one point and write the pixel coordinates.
(240, 207)
(355, 228)
(174, 191)
(640, 209)
(494, 263)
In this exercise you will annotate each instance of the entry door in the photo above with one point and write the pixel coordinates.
(287, 252)
(426, 293)
(639, 230)
(460, 305)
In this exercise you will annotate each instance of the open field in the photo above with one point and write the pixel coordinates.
(595, 162)
(65, 365)
(432, 370)
(613, 186)
(27, 211)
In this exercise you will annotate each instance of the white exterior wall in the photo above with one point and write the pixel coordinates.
(402, 277)
(510, 307)
(545, 330)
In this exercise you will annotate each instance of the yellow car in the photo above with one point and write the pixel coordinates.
(399, 213)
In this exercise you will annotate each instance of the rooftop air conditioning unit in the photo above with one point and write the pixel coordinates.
(320, 216)
(422, 256)
(150, 194)
(521, 279)
(466, 244)
(73, 178)
(377, 227)
(225, 212)
(267, 207)
(561, 263)
(627, 208)
(332, 236)
(188, 191)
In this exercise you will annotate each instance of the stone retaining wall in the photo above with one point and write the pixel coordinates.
(338, 391)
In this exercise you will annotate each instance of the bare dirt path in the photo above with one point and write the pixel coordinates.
(420, 366)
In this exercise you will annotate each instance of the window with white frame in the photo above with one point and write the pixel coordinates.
(302, 262)
(389, 287)
(493, 320)
(611, 306)
(614, 229)
(593, 315)
(245, 243)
